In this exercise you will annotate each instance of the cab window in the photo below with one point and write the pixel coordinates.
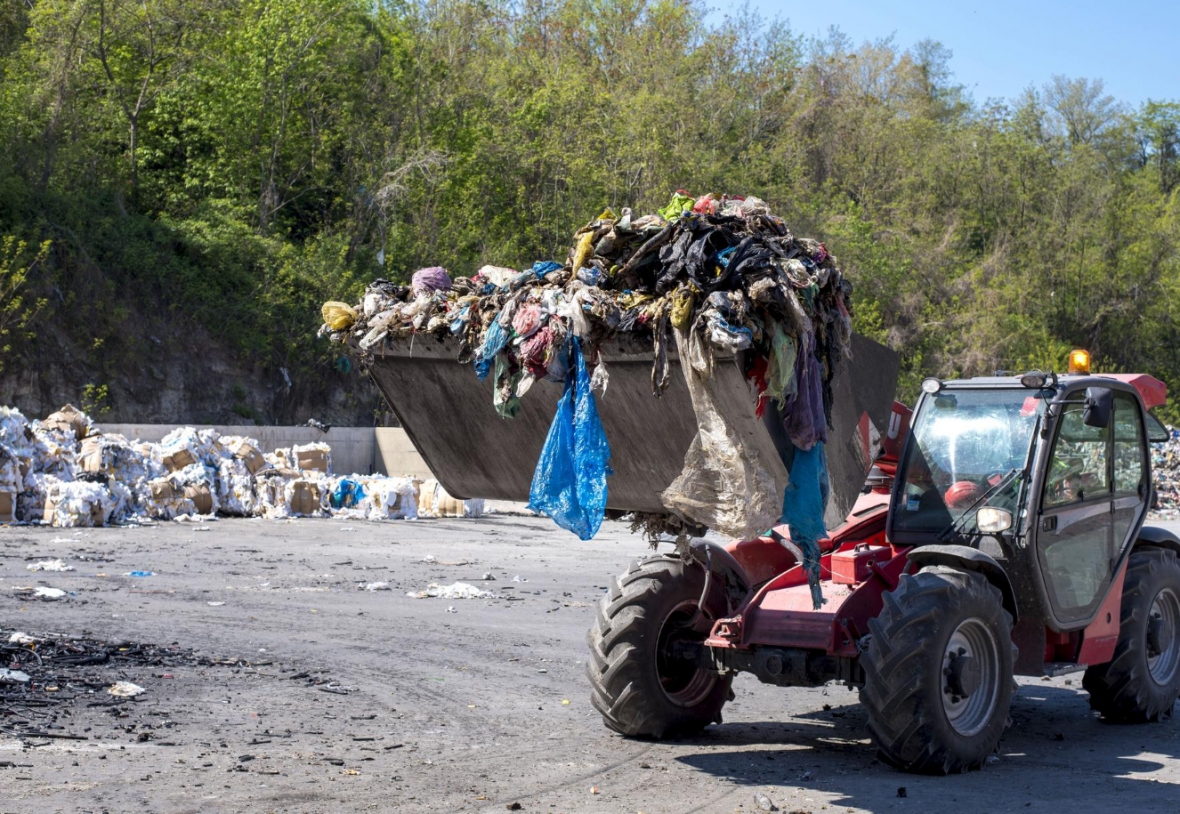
(1129, 470)
(1078, 468)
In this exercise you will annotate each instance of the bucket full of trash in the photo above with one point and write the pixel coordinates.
(678, 364)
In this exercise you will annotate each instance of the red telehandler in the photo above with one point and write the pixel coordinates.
(1002, 534)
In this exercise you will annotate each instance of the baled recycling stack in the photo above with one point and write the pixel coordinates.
(732, 392)
(64, 471)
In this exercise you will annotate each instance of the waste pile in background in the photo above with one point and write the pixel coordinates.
(1165, 469)
(64, 471)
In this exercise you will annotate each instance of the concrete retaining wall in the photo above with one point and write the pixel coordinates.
(359, 450)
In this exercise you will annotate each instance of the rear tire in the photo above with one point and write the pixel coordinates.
(637, 684)
(1142, 681)
(938, 672)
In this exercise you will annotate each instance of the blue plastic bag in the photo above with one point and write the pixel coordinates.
(493, 342)
(543, 267)
(804, 502)
(569, 484)
(348, 493)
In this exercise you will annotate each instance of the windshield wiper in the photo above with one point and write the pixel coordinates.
(1012, 476)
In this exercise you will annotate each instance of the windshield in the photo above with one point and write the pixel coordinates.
(966, 442)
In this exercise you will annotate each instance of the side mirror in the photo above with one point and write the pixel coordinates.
(991, 520)
(1099, 402)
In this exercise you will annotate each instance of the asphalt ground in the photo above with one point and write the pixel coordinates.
(312, 694)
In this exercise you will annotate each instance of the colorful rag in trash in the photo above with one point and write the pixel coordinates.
(434, 278)
(804, 503)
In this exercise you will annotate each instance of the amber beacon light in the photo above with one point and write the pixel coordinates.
(1079, 361)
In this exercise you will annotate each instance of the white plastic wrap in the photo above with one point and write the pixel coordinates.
(723, 484)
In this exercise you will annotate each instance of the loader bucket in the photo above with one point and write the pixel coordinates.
(448, 415)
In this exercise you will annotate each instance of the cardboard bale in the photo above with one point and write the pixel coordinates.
(311, 460)
(7, 507)
(178, 459)
(249, 455)
(305, 497)
(70, 418)
(162, 490)
(90, 457)
(97, 512)
(426, 493)
(200, 496)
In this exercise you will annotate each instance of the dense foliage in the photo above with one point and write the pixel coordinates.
(236, 162)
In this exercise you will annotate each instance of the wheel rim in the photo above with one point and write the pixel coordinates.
(684, 683)
(970, 677)
(1163, 649)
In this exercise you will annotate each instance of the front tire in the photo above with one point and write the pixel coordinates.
(938, 672)
(1142, 681)
(641, 682)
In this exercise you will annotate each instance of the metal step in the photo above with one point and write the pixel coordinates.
(1062, 668)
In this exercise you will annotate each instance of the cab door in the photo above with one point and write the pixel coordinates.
(1131, 475)
(1075, 534)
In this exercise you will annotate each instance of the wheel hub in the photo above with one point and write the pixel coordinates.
(970, 676)
(1163, 641)
(963, 675)
(683, 681)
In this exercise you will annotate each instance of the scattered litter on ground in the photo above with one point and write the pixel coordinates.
(49, 565)
(763, 802)
(215, 604)
(140, 574)
(21, 638)
(13, 676)
(377, 586)
(44, 592)
(126, 689)
(458, 590)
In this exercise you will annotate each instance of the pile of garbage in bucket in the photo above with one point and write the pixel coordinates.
(63, 471)
(704, 279)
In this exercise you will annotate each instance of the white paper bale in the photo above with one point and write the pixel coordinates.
(235, 489)
(435, 501)
(53, 455)
(391, 498)
(79, 503)
(30, 503)
(280, 458)
(11, 479)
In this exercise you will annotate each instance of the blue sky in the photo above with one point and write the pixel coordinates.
(1001, 47)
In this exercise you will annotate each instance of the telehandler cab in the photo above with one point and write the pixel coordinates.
(1001, 535)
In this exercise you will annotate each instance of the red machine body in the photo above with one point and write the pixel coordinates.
(859, 565)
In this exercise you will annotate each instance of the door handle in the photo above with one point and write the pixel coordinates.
(1049, 523)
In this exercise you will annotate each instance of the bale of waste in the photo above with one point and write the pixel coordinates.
(314, 457)
(303, 497)
(69, 419)
(70, 504)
